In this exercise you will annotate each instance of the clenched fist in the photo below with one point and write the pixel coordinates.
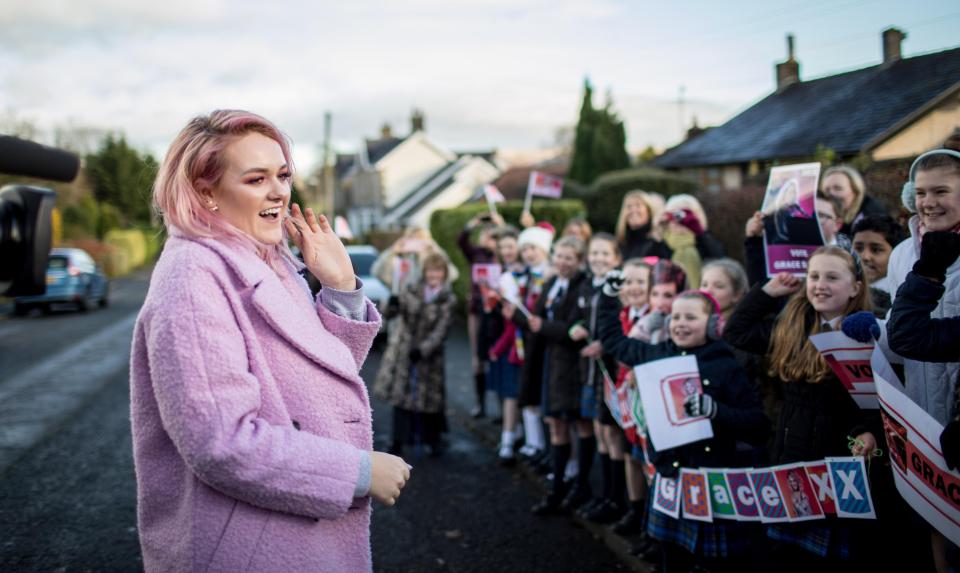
(388, 475)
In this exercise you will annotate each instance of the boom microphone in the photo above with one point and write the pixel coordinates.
(29, 159)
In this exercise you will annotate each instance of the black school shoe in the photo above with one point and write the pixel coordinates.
(586, 508)
(629, 524)
(551, 504)
(606, 512)
(576, 498)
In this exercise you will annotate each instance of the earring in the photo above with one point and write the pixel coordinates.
(213, 206)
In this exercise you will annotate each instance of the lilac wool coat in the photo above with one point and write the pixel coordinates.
(249, 417)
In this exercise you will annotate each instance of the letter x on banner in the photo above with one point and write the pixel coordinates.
(913, 439)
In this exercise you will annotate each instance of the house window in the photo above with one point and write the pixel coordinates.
(712, 179)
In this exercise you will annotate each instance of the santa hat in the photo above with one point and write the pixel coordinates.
(537, 236)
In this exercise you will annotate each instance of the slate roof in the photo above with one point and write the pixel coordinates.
(847, 112)
(377, 149)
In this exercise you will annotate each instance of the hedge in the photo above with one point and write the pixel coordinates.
(121, 251)
(605, 195)
(446, 224)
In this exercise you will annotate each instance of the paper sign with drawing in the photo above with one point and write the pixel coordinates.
(664, 385)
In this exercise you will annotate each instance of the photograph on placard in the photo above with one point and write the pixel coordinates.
(663, 384)
(799, 497)
(791, 227)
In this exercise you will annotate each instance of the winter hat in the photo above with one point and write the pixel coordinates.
(537, 236)
(687, 218)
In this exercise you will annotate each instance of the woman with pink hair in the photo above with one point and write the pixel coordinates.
(251, 427)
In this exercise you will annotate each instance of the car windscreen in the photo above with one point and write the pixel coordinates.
(57, 263)
(362, 263)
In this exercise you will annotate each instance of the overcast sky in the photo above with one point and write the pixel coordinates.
(487, 73)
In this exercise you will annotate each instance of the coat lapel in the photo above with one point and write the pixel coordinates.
(293, 318)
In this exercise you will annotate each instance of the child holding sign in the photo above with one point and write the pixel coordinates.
(728, 399)
(818, 413)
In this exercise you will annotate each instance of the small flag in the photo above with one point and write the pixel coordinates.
(341, 228)
(543, 185)
(493, 194)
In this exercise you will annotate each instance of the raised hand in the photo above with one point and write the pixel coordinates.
(613, 282)
(938, 250)
(754, 226)
(782, 285)
(323, 251)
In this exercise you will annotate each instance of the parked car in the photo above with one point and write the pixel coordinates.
(72, 277)
(363, 257)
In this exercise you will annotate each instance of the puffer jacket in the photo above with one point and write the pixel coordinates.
(930, 384)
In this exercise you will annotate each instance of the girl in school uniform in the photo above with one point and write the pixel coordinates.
(728, 399)
(818, 416)
(549, 324)
(603, 255)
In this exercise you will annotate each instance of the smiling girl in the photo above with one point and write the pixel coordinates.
(729, 399)
(818, 414)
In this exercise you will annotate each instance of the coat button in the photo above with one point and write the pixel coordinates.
(676, 464)
(706, 382)
(683, 353)
(296, 425)
(706, 449)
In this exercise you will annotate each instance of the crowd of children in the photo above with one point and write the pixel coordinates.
(574, 315)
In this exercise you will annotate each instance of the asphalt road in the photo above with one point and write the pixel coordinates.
(68, 502)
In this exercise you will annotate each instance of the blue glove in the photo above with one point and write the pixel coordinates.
(861, 326)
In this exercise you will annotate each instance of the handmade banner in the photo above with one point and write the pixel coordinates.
(744, 501)
(493, 196)
(696, 496)
(791, 228)
(851, 487)
(542, 185)
(823, 486)
(768, 496)
(666, 496)
(615, 399)
(487, 278)
(721, 500)
(801, 491)
(664, 385)
(510, 292)
(850, 361)
(798, 493)
(919, 470)
(402, 266)
(640, 423)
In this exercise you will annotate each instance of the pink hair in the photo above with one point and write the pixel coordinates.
(195, 160)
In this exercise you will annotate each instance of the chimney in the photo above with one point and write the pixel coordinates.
(386, 132)
(891, 44)
(416, 121)
(788, 72)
